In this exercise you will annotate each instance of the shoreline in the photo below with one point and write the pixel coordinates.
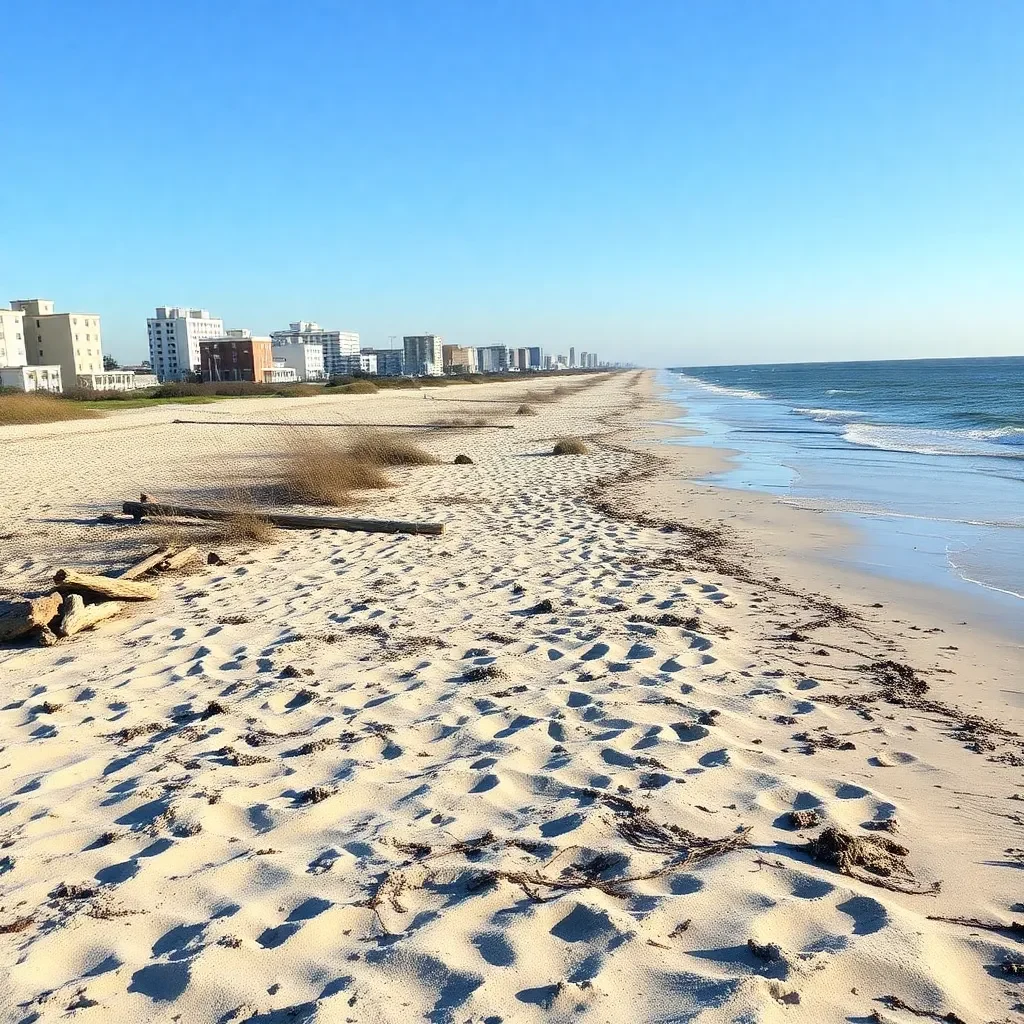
(927, 521)
(830, 549)
(568, 761)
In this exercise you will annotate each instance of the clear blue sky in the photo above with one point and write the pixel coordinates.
(705, 181)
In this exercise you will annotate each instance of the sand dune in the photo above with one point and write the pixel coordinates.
(541, 768)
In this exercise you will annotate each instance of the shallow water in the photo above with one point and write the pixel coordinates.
(926, 458)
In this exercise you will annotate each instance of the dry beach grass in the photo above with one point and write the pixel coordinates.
(39, 408)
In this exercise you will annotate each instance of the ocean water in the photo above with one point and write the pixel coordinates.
(925, 457)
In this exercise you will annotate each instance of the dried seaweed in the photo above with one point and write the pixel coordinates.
(876, 860)
(644, 833)
(895, 1003)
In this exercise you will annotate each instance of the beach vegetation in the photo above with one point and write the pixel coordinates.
(378, 448)
(37, 407)
(322, 473)
(569, 446)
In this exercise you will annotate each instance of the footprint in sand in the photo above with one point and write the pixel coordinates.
(599, 650)
(689, 732)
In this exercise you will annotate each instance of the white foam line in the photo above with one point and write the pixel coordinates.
(885, 514)
(978, 583)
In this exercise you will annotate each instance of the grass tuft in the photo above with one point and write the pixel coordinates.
(569, 446)
(381, 449)
(246, 528)
(322, 473)
(526, 410)
(461, 421)
(39, 408)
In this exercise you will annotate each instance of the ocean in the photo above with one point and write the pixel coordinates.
(924, 457)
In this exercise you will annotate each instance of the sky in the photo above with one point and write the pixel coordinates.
(684, 182)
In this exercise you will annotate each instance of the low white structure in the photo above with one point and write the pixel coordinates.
(144, 380)
(279, 374)
(109, 380)
(306, 360)
(32, 378)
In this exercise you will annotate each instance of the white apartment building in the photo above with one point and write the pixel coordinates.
(423, 355)
(15, 369)
(338, 346)
(174, 336)
(69, 340)
(306, 360)
(12, 338)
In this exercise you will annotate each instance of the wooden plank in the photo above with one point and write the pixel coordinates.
(149, 562)
(181, 559)
(78, 615)
(104, 586)
(155, 509)
(378, 426)
(22, 616)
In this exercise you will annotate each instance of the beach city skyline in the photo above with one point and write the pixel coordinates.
(728, 184)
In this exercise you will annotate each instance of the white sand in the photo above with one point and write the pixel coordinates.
(223, 893)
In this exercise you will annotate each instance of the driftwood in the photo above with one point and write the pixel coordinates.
(22, 616)
(386, 426)
(180, 559)
(78, 615)
(1013, 927)
(104, 586)
(159, 510)
(149, 562)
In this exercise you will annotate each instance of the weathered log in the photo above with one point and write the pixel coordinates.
(22, 616)
(46, 637)
(381, 426)
(78, 615)
(180, 560)
(149, 562)
(104, 586)
(159, 510)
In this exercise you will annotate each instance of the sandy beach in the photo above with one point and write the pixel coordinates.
(618, 746)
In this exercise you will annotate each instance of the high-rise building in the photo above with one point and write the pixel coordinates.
(572, 358)
(424, 356)
(174, 336)
(68, 340)
(536, 357)
(341, 348)
(388, 362)
(492, 358)
(458, 359)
